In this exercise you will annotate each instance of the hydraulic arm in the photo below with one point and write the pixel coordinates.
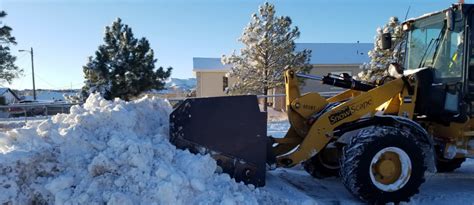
(311, 135)
(342, 81)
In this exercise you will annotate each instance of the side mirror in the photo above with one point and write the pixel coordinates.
(450, 20)
(386, 41)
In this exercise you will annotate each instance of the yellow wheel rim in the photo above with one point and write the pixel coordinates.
(390, 169)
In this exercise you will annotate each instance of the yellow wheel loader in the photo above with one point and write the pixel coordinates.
(380, 139)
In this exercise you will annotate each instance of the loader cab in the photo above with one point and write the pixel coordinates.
(436, 44)
(469, 74)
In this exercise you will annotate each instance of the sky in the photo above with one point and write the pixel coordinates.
(64, 33)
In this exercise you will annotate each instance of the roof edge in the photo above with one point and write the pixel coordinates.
(211, 70)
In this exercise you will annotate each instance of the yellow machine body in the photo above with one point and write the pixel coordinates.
(309, 138)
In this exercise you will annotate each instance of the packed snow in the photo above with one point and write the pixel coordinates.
(116, 153)
(439, 189)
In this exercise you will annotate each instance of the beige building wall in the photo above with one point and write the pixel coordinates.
(210, 84)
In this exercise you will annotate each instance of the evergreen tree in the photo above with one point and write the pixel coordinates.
(269, 49)
(8, 69)
(380, 58)
(123, 66)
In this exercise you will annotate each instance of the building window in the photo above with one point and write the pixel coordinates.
(225, 83)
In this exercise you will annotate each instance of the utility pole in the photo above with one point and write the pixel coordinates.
(33, 74)
(32, 70)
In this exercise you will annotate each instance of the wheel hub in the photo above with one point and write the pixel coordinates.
(390, 169)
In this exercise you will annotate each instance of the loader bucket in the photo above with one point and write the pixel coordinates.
(231, 129)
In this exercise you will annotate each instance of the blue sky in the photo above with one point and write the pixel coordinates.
(64, 33)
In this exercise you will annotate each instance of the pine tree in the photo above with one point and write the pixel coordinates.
(269, 49)
(380, 58)
(8, 69)
(123, 66)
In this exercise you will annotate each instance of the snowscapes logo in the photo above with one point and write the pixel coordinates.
(348, 111)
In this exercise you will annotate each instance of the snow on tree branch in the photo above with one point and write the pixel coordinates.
(269, 48)
(124, 66)
(380, 58)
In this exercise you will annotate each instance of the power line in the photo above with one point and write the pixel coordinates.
(23, 80)
(45, 81)
(21, 58)
(54, 86)
(70, 86)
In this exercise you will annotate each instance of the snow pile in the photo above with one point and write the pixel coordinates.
(115, 153)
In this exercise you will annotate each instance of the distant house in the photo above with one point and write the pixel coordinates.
(326, 58)
(7, 96)
(211, 78)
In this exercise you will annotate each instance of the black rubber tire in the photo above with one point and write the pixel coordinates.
(316, 168)
(444, 165)
(358, 154)
(448, 165)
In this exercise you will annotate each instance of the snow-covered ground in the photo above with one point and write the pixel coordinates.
(277, 128)
(439, 189)
(18, 122)
(48, 95)
(118, 153)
